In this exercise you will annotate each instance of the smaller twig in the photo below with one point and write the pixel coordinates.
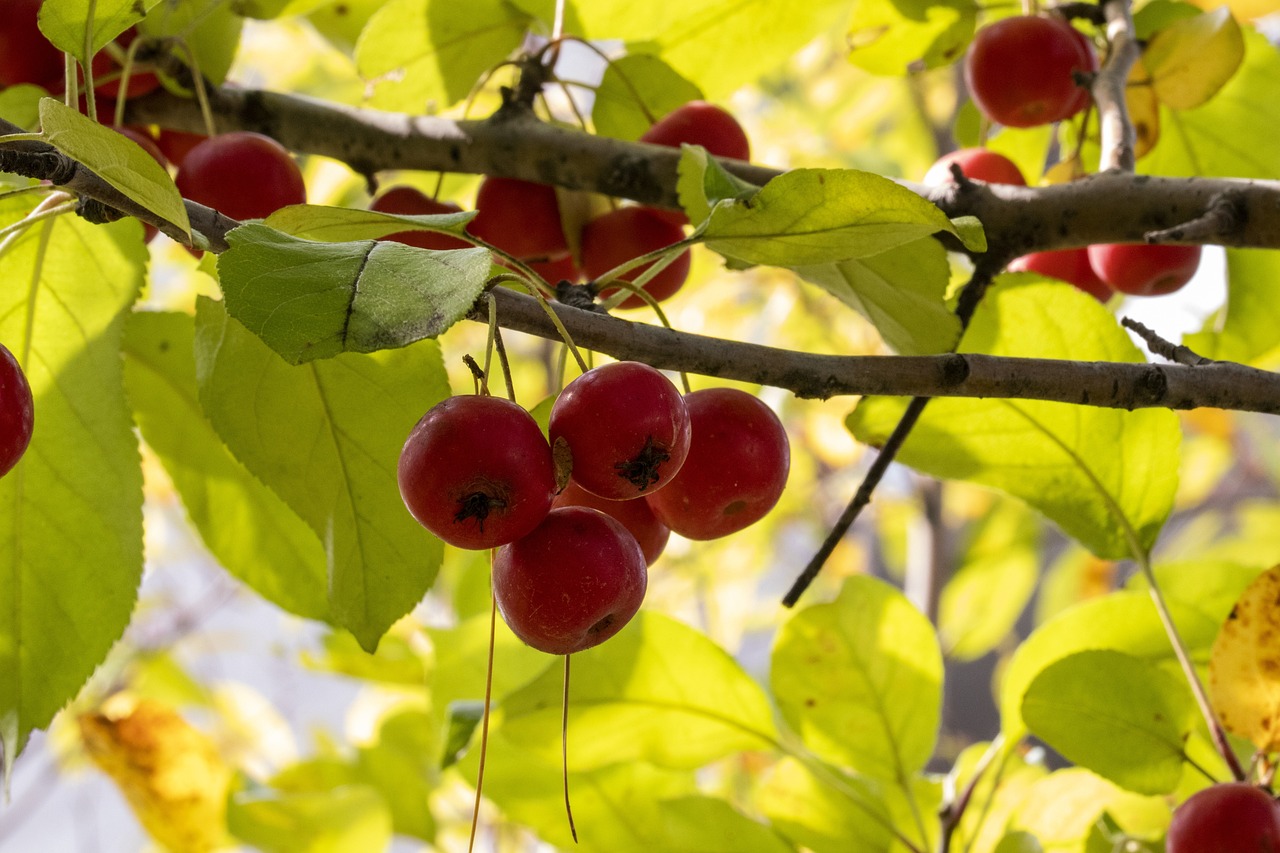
(1159, 346)
(953, 811)
(1224, 214)
(1119, 140)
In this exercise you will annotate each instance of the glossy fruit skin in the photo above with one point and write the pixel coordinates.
(17, 411)
(520, 217)
(26, 56)
(736, 469)
(572, 583)
(476, 472)
(1143, 269)
(412, 202)
(1020, 71)
(626, 427)
(700, 123)
(241, 174)
(635, 515)
(979, 164)
(176, 144)
(1232, 818)
(1069, 265)
(626, 233)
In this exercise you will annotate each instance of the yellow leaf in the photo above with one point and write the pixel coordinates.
(1245, 10)
(169, 772)
(1143, 105)
(1191, 59)
(1244, 668)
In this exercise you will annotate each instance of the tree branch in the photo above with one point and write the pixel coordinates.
(1109, 87)
(1117, 385)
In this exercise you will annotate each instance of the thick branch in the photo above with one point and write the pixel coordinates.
(1105, 384)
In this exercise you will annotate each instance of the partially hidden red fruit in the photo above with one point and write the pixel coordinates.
(629, 232)
(26, 56)
(520, 217)
(1021, 71)
(1069, 265)
(1144, 269)
(572, 583)
(1232, 818)
(412, 202)
(626, 428)
(736, 470)
(635, 515)
(476, 471)
(700, 123)
(979, 164)
(176, 144)
(241, 174)
(17, 411)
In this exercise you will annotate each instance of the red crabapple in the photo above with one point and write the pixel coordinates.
(1021, 71)
(979, 164)
(1231, 818)
(634, 514)
(476, 472)
(520, 217)
(572, 583)
(412, 202)
(242, 175)
(1145, 269)
(700, 123)
(17, 411)
(629, 232)
(1069, 265)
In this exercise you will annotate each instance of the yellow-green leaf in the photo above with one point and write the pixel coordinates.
(902, 36)
(1190, 60)
(1244, 669)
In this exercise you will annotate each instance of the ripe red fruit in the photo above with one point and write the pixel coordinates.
(17, 411)
(176, 144)
(635, 515)
(412, 202)
(104, 64)
(476, 471)
(242, 175)
(1230, 818)
(554, 272)
(1069, 265)
(572, 583)
(1021, 70)
(1143, 269)
(629, 232)
(626, 428)
(26, 56)
(980, 164)
(736, 469)
(700, 123)
(521, 218)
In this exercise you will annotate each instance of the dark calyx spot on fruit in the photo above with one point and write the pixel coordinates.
(642, 471)
(602, 625)
(478, 505)
(735, 507)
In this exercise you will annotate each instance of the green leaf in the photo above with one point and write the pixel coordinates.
(210, 28)
(1049, 455)
(703, 182)
(1062, 810)
(249, 530)
(904, 36)
(1114, 714)
(462, 720)
(1123, 621)
(900, 291)
(636, 90)
(1210, 586)
(659, 692)
(64, 22)
(1250, 332)
(336, 224)
(402, 766)
(395, 662)
(343, 819)
(71, 510)
(264, 9)
(851, 817)
(20, 105)
(311, 300)
(425, 57)
(1192, 59)
(119, 161)
(820, 216)
(867, 663)
(326, 438)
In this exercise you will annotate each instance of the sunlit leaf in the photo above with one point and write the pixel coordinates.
(348, 818)
(119, 161)
(703, 182)
(851, 817)
(901, 36)
(860, 679)
(1190, 60)
(1123, 621)
(1061, 810)
(170, 773)
(1244, 670)
(250, 531)
(1250, 332)
(420, 55)
(395, 662)
(635, 91)
(209, 28)
(326, 437)
(337, 224)
(659, 691)
(403, 766)
(311, 300)
(64, 22)
(1209, 586)
(999, 791)
(1114, 714)
(1048, 454)
(20, 105)
(1244, 9)
(71, 511)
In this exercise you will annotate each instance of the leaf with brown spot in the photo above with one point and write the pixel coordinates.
(1244, 667)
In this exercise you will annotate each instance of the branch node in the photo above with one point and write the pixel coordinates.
(1225, 215)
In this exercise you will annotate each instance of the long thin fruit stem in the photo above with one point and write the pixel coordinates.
(564, 749)
(484, 717)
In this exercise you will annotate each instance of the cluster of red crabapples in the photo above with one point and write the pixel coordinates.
(637, 460)
(523, 218)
